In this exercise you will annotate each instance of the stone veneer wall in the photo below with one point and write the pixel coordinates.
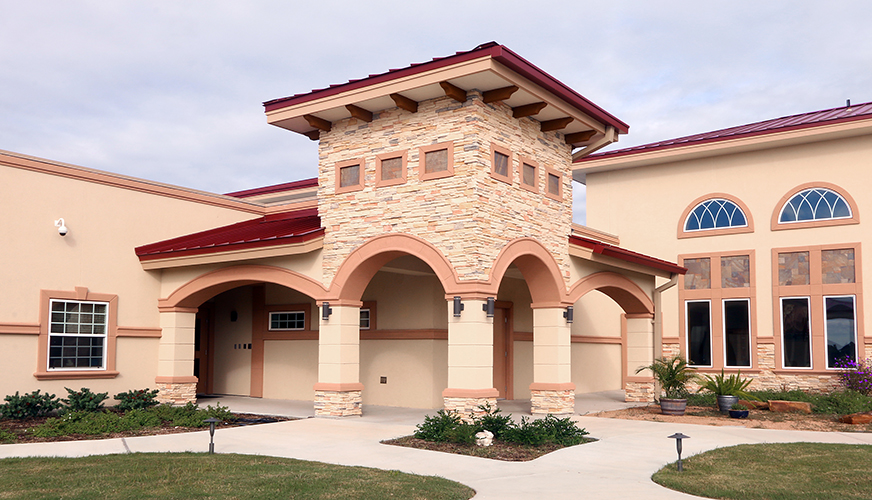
(468, 408)
(469, 216)
(559, 402)
(177, 394)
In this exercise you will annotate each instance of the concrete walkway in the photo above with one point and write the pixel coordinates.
(618, 466)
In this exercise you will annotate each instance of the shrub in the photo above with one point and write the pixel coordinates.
(842, 403)
(439, 427)
(7, 437)
(492, 420)
(856, 375)
(673, 374)
(84, 400)
(29, 405)
(734, 385)
(136, 399)
(549, 430)
(190, 415)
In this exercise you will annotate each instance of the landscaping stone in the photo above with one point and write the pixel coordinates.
(789, 406)
(754, 405)
(857, 418)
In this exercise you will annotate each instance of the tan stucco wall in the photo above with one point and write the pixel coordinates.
(416, 371)
(232, 363)
(596, 367)
(290, 369)
(407, 301)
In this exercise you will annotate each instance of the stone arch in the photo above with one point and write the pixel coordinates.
(360, 266)
(202, 288)
(539, 268)
(628, 295)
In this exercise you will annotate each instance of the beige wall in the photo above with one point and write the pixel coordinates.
(416, 371)
(407, 301)
(233, 362)
(290, 369)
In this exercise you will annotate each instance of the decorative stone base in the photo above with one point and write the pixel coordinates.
(559, 402)
(338, 403)
(639, 392)
(468, 407)
(177, 393)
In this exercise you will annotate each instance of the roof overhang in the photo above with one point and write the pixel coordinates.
(489, 67)
(598, 251)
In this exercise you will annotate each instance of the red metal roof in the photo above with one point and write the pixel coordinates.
(271, 230)
(784, 124)
(499, 53)
(626, 255)
(276, 188)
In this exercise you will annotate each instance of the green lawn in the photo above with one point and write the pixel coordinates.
(794, 471)
(192, 475)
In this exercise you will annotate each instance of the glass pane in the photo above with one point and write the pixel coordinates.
(699, 338)
(796, 341)
(736, 271)
(699, 274)
(529, 177)
(391, 168)
(501, 164)
(841, 330)
(737, 332)
(837, 266)
(349, 176)
(554, 184)
(364, 318)
(841, 209)
(436, 161)
(793, 268)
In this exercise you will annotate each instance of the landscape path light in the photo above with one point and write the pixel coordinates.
(211, 421)
(678, 437)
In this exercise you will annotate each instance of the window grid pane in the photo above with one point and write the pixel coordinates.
(736, 271)
(837, 266)
(841, 330)
(815, 204)
(501, 164)
(554, 184)
(793, 268)
(76, 334)
(699, 274)
(699, 333)
(364, 319)
(737, 333)
(529, 175)
(715, 214)
(392, 168)
(795, 333)
(349, 176)
(436, 161)
(291, 320)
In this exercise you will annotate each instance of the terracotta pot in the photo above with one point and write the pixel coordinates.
(673, 406)
(726, 402)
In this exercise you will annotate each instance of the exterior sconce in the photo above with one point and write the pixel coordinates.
(62, 227)
(568, 314)
(458, 307)
(326, 311)
(489, 307)
(211, 421)
(678, 437)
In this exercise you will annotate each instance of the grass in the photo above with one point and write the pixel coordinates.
(190, 475)
(795, 471)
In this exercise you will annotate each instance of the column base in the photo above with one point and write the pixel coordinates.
(338, 403)
(639, 392)
(177, 393)
(467, 402)
(556, 399)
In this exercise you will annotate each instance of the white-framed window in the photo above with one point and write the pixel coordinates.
(77, 335)
(698, 324)
(287, 320)
(715, 213)
(840, 326)
(737, 333)
(365, 318)
(795, 332)
(814, 204)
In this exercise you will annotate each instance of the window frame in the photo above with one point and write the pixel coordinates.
(698, 233)
(360, 181)
(559, 195)
(81, 294)
(724, 301)
(403, 156)
(776, 225)
(103, 336)
(810, 332)
(827, 329)
(422, 162)
(494, 149)
(710, 332)
(371, 306)
(298, 311)
(522, 161)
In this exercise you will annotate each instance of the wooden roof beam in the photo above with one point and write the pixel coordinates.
(404, 102)
(557, 124)
(499, 94)
(528, 109)
(454, 92)
(318, 123)
(579, 136)
(359, 113)
(313, 134)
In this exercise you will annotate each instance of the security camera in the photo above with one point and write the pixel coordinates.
(62, 228)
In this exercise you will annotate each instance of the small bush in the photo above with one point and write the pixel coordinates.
(856, 375)
(136, 399)
(439, 427)
(7, 437)
(492, 420)
(842, 403)
(84, 400)
(549, 430)
(464, 433)
(79, 422)
(29, 405)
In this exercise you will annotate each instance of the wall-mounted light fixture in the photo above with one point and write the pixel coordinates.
(489, 307)
(62, 227)
(568, 314)
(458, 306)
(326, 311)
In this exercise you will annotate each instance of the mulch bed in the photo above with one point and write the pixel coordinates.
(497, 451)
(19, 428)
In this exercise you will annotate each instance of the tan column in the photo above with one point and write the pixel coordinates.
(175, 365)
(552, 390)
(470, 360)
(641, 351)
(338, 392)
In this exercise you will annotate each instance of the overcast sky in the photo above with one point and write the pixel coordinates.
(173, 91)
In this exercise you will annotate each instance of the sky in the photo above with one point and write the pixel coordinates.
(173, 91)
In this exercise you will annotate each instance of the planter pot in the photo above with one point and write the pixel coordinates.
(673, 406)
(725, 402)
(738, 413)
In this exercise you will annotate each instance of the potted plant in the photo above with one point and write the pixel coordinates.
(672, 374)
(727, 389)
(738, 411)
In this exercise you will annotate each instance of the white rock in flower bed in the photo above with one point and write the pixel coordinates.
(484, 438)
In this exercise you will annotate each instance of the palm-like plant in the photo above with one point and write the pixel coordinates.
(720, 385)
(673, 374)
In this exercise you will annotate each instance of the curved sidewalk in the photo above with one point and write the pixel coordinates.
(619, 465)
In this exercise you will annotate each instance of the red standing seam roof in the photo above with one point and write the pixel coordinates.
(276, 188)
(271, 230)
(784, 124)
(499, 53)
(626, 255)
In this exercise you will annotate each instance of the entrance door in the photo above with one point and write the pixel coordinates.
(503, 350)
(204, 342)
